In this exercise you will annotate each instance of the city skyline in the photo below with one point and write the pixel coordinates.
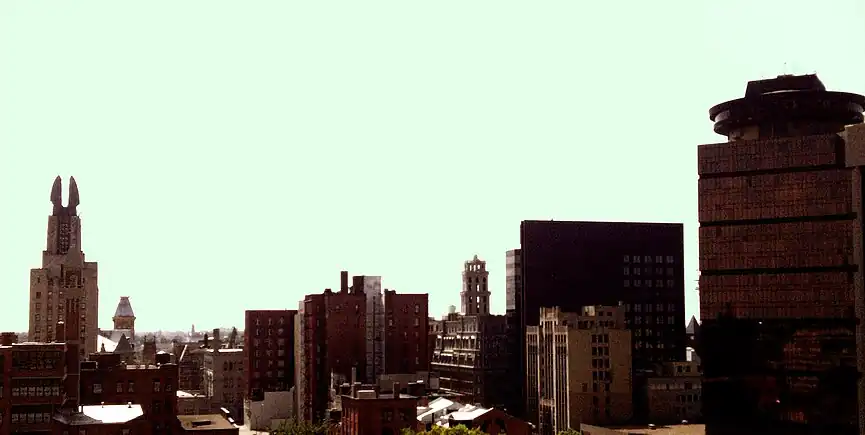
(230, 173)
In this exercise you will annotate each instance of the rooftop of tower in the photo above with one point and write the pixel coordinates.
(124, 308)
(787, 98)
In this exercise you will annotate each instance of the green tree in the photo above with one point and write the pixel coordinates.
(570, 432)
(438, 430)
(295, 427)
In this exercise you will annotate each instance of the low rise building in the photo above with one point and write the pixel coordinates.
(274, 409)
(106, 379)
(192, 403)
(102, 420)
(579, 368)
(447, 413)
(675, 393)
(223, 379)
(369, 412)
(208, 424)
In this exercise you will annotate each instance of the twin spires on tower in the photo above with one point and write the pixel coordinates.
(57, 198)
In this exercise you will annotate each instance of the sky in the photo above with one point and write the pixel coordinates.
(238, 155)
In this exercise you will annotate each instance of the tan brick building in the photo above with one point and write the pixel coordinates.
(64, 275)
(579, 368)
(223, 379)
(675, 394)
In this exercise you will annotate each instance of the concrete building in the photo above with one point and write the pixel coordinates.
(778, 261)
(471, 358)
(575, 264)
(475, 296)
(406, 341)
(64, 275)
(274, 409)
(107, 379)
(580, 368)
(31, 385)
(193, 403)
(470, 349)
(224, 379)
(369, 412)
(675, 393)
(269, 351)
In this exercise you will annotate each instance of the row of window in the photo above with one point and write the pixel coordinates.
(649, 307)
(130, 387)
(600, 338)
(36, 391)
(658, 283)
(627, 270)
(648, 259)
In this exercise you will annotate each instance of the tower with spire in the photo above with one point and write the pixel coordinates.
(64, 276)
(124, 317)
(475, 296)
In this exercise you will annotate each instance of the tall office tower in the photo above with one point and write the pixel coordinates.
(64, 275)
(777, 264)
(407, 332)
(515, 340)
(575, 264)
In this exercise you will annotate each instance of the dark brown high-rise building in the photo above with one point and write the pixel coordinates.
(268, 344)
(777, 262)
(575, 264)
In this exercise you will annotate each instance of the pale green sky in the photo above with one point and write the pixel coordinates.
(237, 155)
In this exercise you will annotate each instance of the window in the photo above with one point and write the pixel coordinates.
(416, 322)
(627, 283)
(669, 259)
(627, 270)
(636, 258)
(119, 387)
(627, 260)
(157, 386)
(97, 388)
(416, 308)
(670, 283)
(131, 388)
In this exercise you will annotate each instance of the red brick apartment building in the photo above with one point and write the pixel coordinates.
(31, 387)
(407, 339)
(340, 338)
(368, 412)
(268, 343)
(106, 379)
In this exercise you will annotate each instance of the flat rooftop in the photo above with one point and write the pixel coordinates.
(204, 422)
(102, 414)
(679, 429)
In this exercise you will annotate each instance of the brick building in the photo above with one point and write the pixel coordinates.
(369, 412)
(105, 379)
(333, 342)
(268, 344)
(407, 332)
(100, 419)
(64, 275)
(778, 261)
(342, 336)
(31, 386)
(579, 368)
(575, 264)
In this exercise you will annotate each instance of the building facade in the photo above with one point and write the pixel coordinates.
(224, 379)
(675, 393)
(107, 379)
(369, 412)
(575, 264)
(579, 368)
(64, 275)
(31, 385)
(778, 261)
(406, 340)
(269, 351)
(471, 358)
(475, 296)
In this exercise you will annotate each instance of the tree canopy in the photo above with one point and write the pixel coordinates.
(294, 427)
(438, 430)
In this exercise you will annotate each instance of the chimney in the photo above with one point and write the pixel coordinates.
(355, 386)
(216, 336)
(343, 281)
(397, 388)
(353, 375)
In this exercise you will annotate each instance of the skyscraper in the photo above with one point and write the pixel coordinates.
(475, 297)
(575, 264)
(64, 275)
(777, 262)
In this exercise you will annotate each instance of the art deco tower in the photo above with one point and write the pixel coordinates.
(64, 276)
(475, 296)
